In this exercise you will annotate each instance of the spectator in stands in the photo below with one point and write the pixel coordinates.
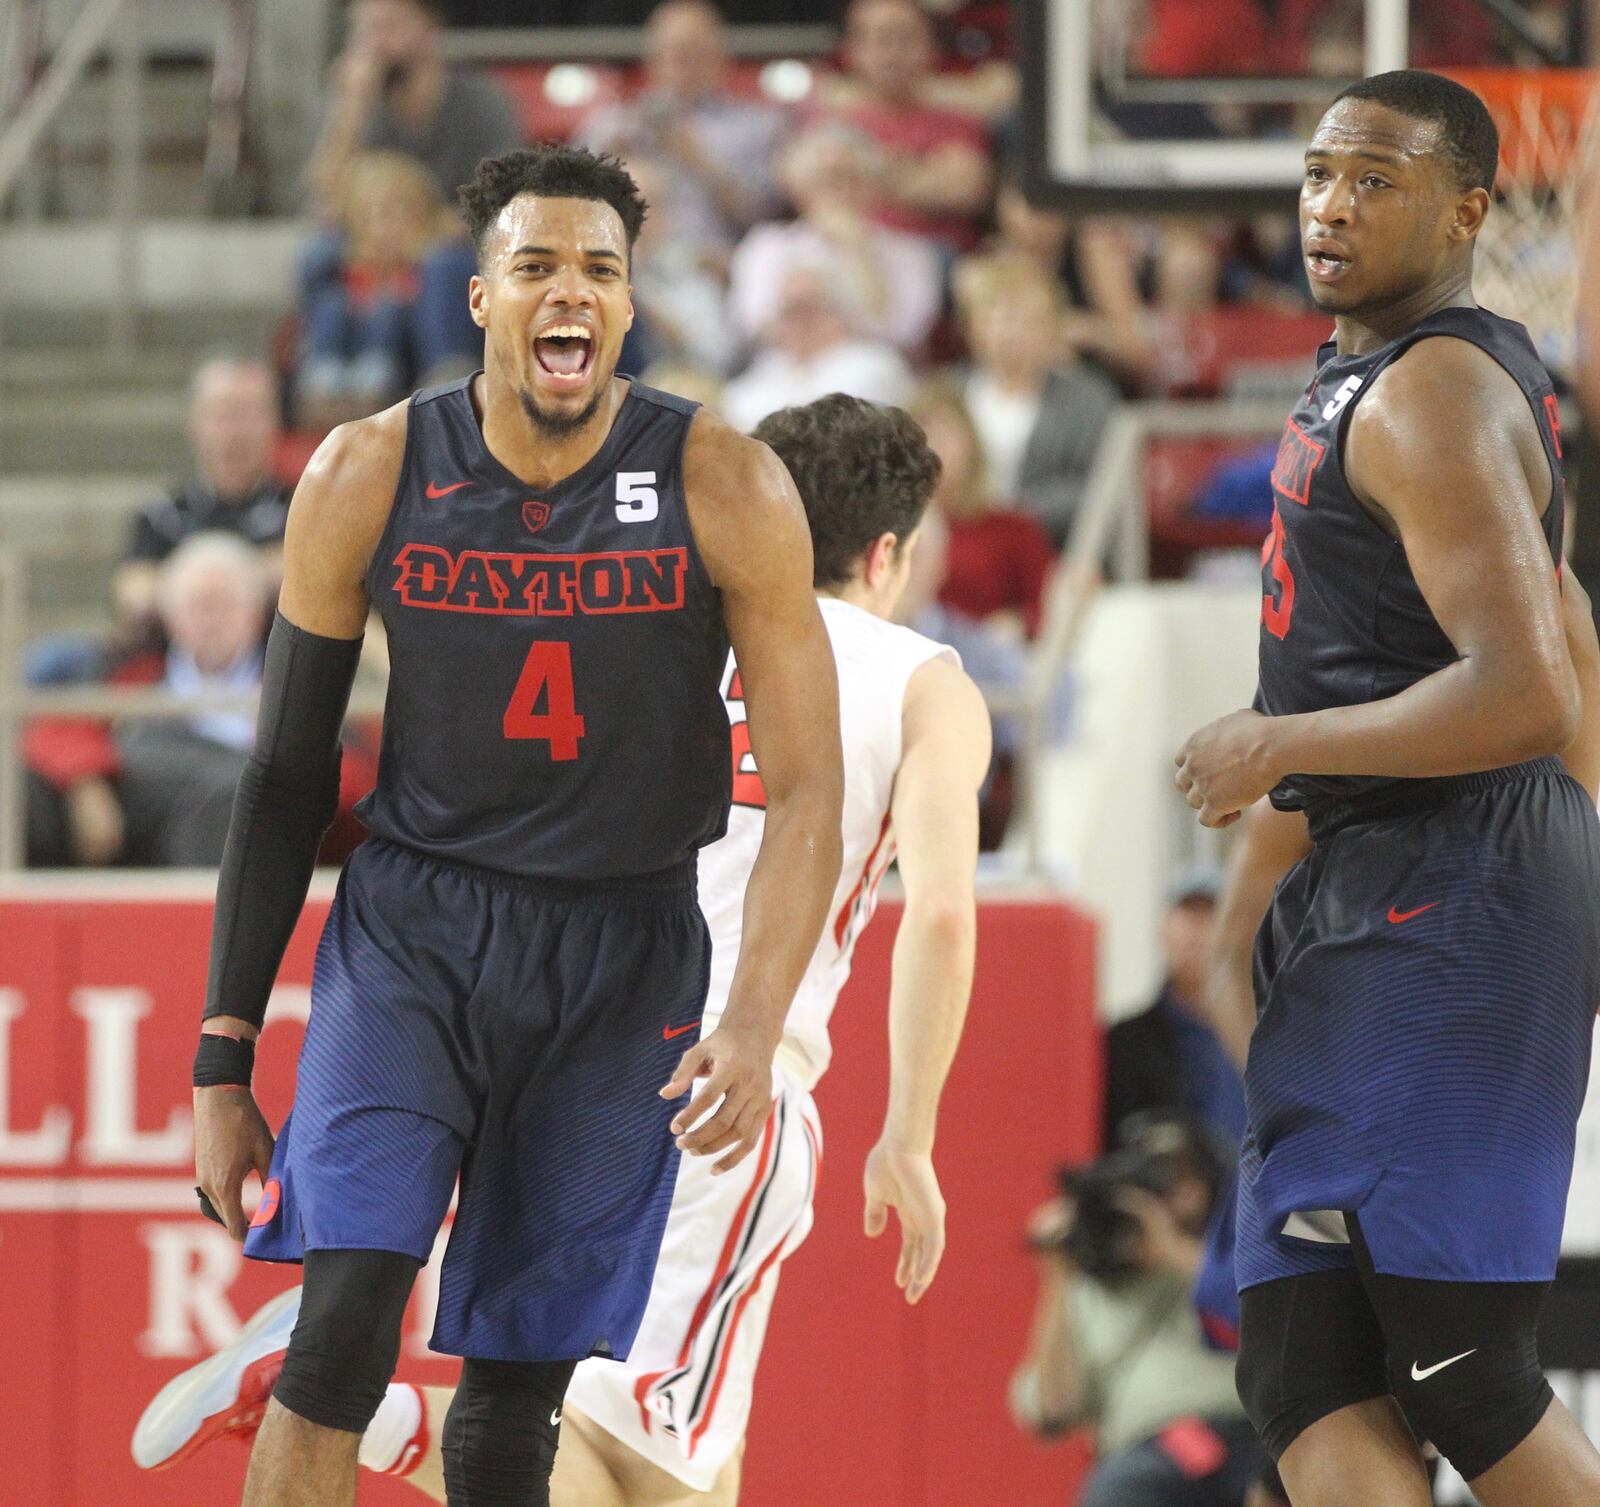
(160, 792)
(1116, 1344)
(1105, 318)
(809, 349)
(998, 559)
(1039, 409)
(895, 279)
(1168, 1056)
(369, 330)
(936, 178)
(680, 303)
(176, 779)
(233, 432)
(719, 149)
(393, 91)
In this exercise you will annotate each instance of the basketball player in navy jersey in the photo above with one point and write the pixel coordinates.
(1426, 978)
(511, 979)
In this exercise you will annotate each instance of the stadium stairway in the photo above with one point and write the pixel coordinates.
(87, 431)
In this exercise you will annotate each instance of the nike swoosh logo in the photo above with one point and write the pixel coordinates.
(1417, 1374)
(435, 493)
(555, 1417)
(668, 1032)
(1397, 916)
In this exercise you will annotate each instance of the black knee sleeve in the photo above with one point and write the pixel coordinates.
(347, 1339)
(1464, 1364)
(1308, 1346)
(501, 1432)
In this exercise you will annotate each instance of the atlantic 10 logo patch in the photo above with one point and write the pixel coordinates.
(535, 514)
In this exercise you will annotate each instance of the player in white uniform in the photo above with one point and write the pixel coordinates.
(667, 1426)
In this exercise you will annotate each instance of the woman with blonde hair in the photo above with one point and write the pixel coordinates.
(998, 559)
(1039, 409)
(368, 330)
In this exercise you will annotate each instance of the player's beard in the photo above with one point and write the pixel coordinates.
(557, 426)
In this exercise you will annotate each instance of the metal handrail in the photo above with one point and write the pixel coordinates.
(99, 22)
(25, 49)
(1110, 525)
(230, 76)
(83, 41)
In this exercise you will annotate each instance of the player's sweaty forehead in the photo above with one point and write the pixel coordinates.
(563, 229)
(1366, 128)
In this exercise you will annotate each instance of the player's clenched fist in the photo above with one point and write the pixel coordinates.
(231, 1140)
(1227, 766)
(736, 1067)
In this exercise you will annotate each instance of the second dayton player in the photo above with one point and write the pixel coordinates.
(668, 1426)
(1426, 979)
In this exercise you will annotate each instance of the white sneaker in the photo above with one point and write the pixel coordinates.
(224, 1394)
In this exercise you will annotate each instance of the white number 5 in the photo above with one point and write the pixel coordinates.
(636, 496)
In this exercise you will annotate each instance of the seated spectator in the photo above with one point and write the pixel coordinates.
(894, 279)
(998, 559)
(718, 149)
(1040, 411)
(393, 91)
(159, 792)
(810, 349)
(233, 432)
(1105, 319)
(1168, 1056)
(936, 177)
(367, 334)
(1116, 1344)
(680, 304)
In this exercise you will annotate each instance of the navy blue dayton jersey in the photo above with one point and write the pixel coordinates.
(556, 654)
(1342, 618)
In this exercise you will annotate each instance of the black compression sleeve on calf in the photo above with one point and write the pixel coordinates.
(286, 801)
(500, 1434)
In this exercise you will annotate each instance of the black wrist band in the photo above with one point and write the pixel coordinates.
(223, 1059)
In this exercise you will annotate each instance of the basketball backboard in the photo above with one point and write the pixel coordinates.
(1118, 118)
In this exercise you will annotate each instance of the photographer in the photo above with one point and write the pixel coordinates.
(1116, 1344)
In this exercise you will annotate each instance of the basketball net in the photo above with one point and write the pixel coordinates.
(1526, 266)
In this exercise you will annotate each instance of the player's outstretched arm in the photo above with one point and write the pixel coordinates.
(944, 757)
(1445, 452)
(752, 533)
(1270, 844)
(289, 790)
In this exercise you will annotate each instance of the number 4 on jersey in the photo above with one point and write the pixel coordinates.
(546, 672)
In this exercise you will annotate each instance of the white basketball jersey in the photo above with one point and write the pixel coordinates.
(875, 660)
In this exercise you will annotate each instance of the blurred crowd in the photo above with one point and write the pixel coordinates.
(868, 232)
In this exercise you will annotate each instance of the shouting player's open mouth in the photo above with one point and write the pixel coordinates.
(1326, 261)
(564, 352)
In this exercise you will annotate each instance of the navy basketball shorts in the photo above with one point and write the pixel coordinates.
(516, 1032)
(1426, 985)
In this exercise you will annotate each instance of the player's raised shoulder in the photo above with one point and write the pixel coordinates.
(1436, 387)
(743, 503)
(1444, 421)
(336, 519)
(943, 702)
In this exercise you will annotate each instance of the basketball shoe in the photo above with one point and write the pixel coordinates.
(225, 1394)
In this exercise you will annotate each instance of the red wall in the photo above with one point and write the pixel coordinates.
(110, 1283)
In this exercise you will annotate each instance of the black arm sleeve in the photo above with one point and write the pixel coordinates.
(286, 801)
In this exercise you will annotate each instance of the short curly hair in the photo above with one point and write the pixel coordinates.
(1468, 138)
(862, 470)
(549, 171)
